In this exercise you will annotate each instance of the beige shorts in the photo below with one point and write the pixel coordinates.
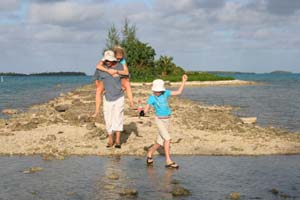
(163, 133)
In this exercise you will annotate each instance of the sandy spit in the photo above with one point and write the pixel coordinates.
(196, 129)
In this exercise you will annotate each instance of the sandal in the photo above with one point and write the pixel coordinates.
(109, 145)
(118, 146)
(149, 161)
(172, 165)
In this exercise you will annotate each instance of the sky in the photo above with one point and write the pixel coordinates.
(204, 35)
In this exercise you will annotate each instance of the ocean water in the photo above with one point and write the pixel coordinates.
(275, 103)
(206, 177)
(20, 92)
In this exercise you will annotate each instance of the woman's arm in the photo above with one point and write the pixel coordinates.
(180, 89)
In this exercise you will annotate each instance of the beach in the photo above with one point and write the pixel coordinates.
(64, 126)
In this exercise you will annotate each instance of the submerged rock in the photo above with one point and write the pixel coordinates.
(274, 191)
(175, 182)
(109, 187)
(129, 192)
(180, 191)
(235, 195)
(113, 176)
(32, 170)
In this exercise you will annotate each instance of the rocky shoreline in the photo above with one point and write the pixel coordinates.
(64, 127)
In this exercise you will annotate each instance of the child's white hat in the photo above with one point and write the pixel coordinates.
(158, 85)
(109, 55)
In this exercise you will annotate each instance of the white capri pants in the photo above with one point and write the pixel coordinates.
(113, 114)
(163, 133)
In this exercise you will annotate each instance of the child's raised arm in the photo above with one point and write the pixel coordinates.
(180, 89)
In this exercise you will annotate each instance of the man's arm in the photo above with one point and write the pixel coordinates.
(180, 89)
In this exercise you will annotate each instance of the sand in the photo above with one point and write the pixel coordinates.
(64, 126)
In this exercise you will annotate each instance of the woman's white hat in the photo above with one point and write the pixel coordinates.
(109, 55)
(158, 85)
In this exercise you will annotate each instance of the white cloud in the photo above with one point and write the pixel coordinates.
(8, 5)
(209, 32)
(63, 35)
(65, 13)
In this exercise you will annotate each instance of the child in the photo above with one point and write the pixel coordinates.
(159, 100)
(120, 56)
(113, 102)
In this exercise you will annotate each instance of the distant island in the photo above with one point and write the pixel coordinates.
(45, 74)
(222, 72)
(229, 72)
(280, 72)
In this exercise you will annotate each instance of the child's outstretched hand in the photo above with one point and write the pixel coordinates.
(184, 78)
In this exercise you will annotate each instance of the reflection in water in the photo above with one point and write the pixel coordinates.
(206, 177)
(161, 185)
(109, 185)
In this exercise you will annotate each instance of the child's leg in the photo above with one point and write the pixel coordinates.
(152, 150)
(127, 86)
(164, 137)
(99, 92)
(167, 151)
(159, 140)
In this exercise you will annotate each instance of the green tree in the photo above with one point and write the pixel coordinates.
(165, 66)
(113, 38)
(129, 32)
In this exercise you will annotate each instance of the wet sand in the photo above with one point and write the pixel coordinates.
(64, 126)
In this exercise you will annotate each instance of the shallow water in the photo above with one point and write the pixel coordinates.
(276, 103)
(205, 177)
(20, 92)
